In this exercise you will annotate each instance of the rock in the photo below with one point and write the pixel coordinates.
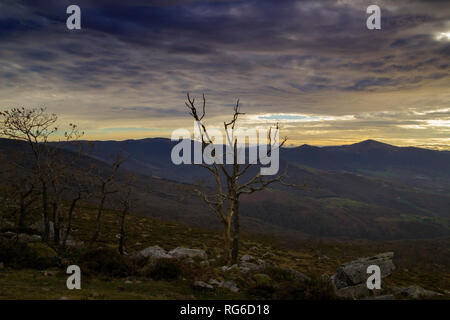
(227, 268)
(262, 280)
(6, 224)
(49, 273)
(248, 266)
(63, 298)
(383, 297)
(204, 263)
(128, 282)
(254, 248)
(202, 285)
(354, 292)
(268, 255)
(40, 227)
(230, 285)
(355, 272)
(248, 258)
(23, 237)
(9, 234)
(215, 282)
(415, 292)
(2, 265)
(183, 253)
(155, 252)
(324, 277)
(74, 244)
(298, 276)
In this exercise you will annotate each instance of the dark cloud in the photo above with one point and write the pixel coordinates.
(317, 56)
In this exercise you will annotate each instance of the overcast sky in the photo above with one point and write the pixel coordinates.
(312, 65)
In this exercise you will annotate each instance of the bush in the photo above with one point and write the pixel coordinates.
(163, 269)
(104, 261)
(35, 255)
(314, 289)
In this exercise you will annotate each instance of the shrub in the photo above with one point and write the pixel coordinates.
(314, 289)
(163, 269)
(104, 261)
(32, 255)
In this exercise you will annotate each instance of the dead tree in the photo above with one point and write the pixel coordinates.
(64, 179)
(21, 188)
(125, 204)
(34, 126)
(107, 187)
(225, 201)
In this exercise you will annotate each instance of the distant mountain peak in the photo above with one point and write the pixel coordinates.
(371, 144)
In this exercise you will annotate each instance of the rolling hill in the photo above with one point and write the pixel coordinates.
(367, 190)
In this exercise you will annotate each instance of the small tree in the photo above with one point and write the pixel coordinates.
(107, 186)
(125, 204)
(35, 127)
(20, 193)
(225, 201)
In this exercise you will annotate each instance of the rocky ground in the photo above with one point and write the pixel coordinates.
(172, 261)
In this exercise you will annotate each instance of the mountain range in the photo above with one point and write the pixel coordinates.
(367, 190)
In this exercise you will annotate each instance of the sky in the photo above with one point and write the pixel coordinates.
(312, 66)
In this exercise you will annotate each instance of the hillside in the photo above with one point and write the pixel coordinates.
(416, 262)
(368, 190)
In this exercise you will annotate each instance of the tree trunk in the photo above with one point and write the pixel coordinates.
(22, 213)
(45, 211)
(227, 242)
(69, 221)
(99, 218)
(236, 230)
(122, 232)
(56, 223)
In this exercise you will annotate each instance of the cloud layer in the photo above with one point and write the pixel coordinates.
(132, 63)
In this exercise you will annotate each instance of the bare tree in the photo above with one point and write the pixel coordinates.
(20, 192)
(64, 178)
(125, 202)
(225, 201)
(107, 187)
(34, 126)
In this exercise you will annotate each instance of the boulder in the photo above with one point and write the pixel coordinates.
(155, 252)
(383, 297)
(229, 268)
(268, 255)
(40, 227)
(9, 234)
(354, 292)
(248, 258)
(74, 244)
(215, 282)
(230, 285)
(202, 285)
(184, 253)
(249, 266)
(23, 237)
(415, 292)
(297, 275)
(355, 272)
